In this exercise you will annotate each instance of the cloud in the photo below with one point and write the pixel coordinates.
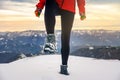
(22, 7)
(15, 10)
(103, 12)
(103, 1)
(29, 1)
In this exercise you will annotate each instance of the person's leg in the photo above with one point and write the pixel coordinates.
(67, 23)
(50, 45)
(49, 16)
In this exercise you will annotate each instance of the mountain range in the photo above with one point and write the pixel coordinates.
(29, 43)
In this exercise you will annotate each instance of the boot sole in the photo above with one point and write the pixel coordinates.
(48, 52)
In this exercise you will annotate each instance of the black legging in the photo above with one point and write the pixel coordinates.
(66, 23)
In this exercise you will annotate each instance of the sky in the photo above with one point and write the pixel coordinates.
(18, 15)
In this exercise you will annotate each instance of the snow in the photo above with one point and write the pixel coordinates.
(91, 48)
(46, 67)
(1, 39)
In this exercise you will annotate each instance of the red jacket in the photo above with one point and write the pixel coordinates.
(66, 5)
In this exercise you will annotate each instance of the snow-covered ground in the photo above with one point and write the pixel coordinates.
(46, 67)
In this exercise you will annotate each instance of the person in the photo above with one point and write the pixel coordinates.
(66, 9)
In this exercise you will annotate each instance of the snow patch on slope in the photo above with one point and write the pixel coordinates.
(46, 67)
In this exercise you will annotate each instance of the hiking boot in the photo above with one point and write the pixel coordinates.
(50, 45)
(64, 70)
